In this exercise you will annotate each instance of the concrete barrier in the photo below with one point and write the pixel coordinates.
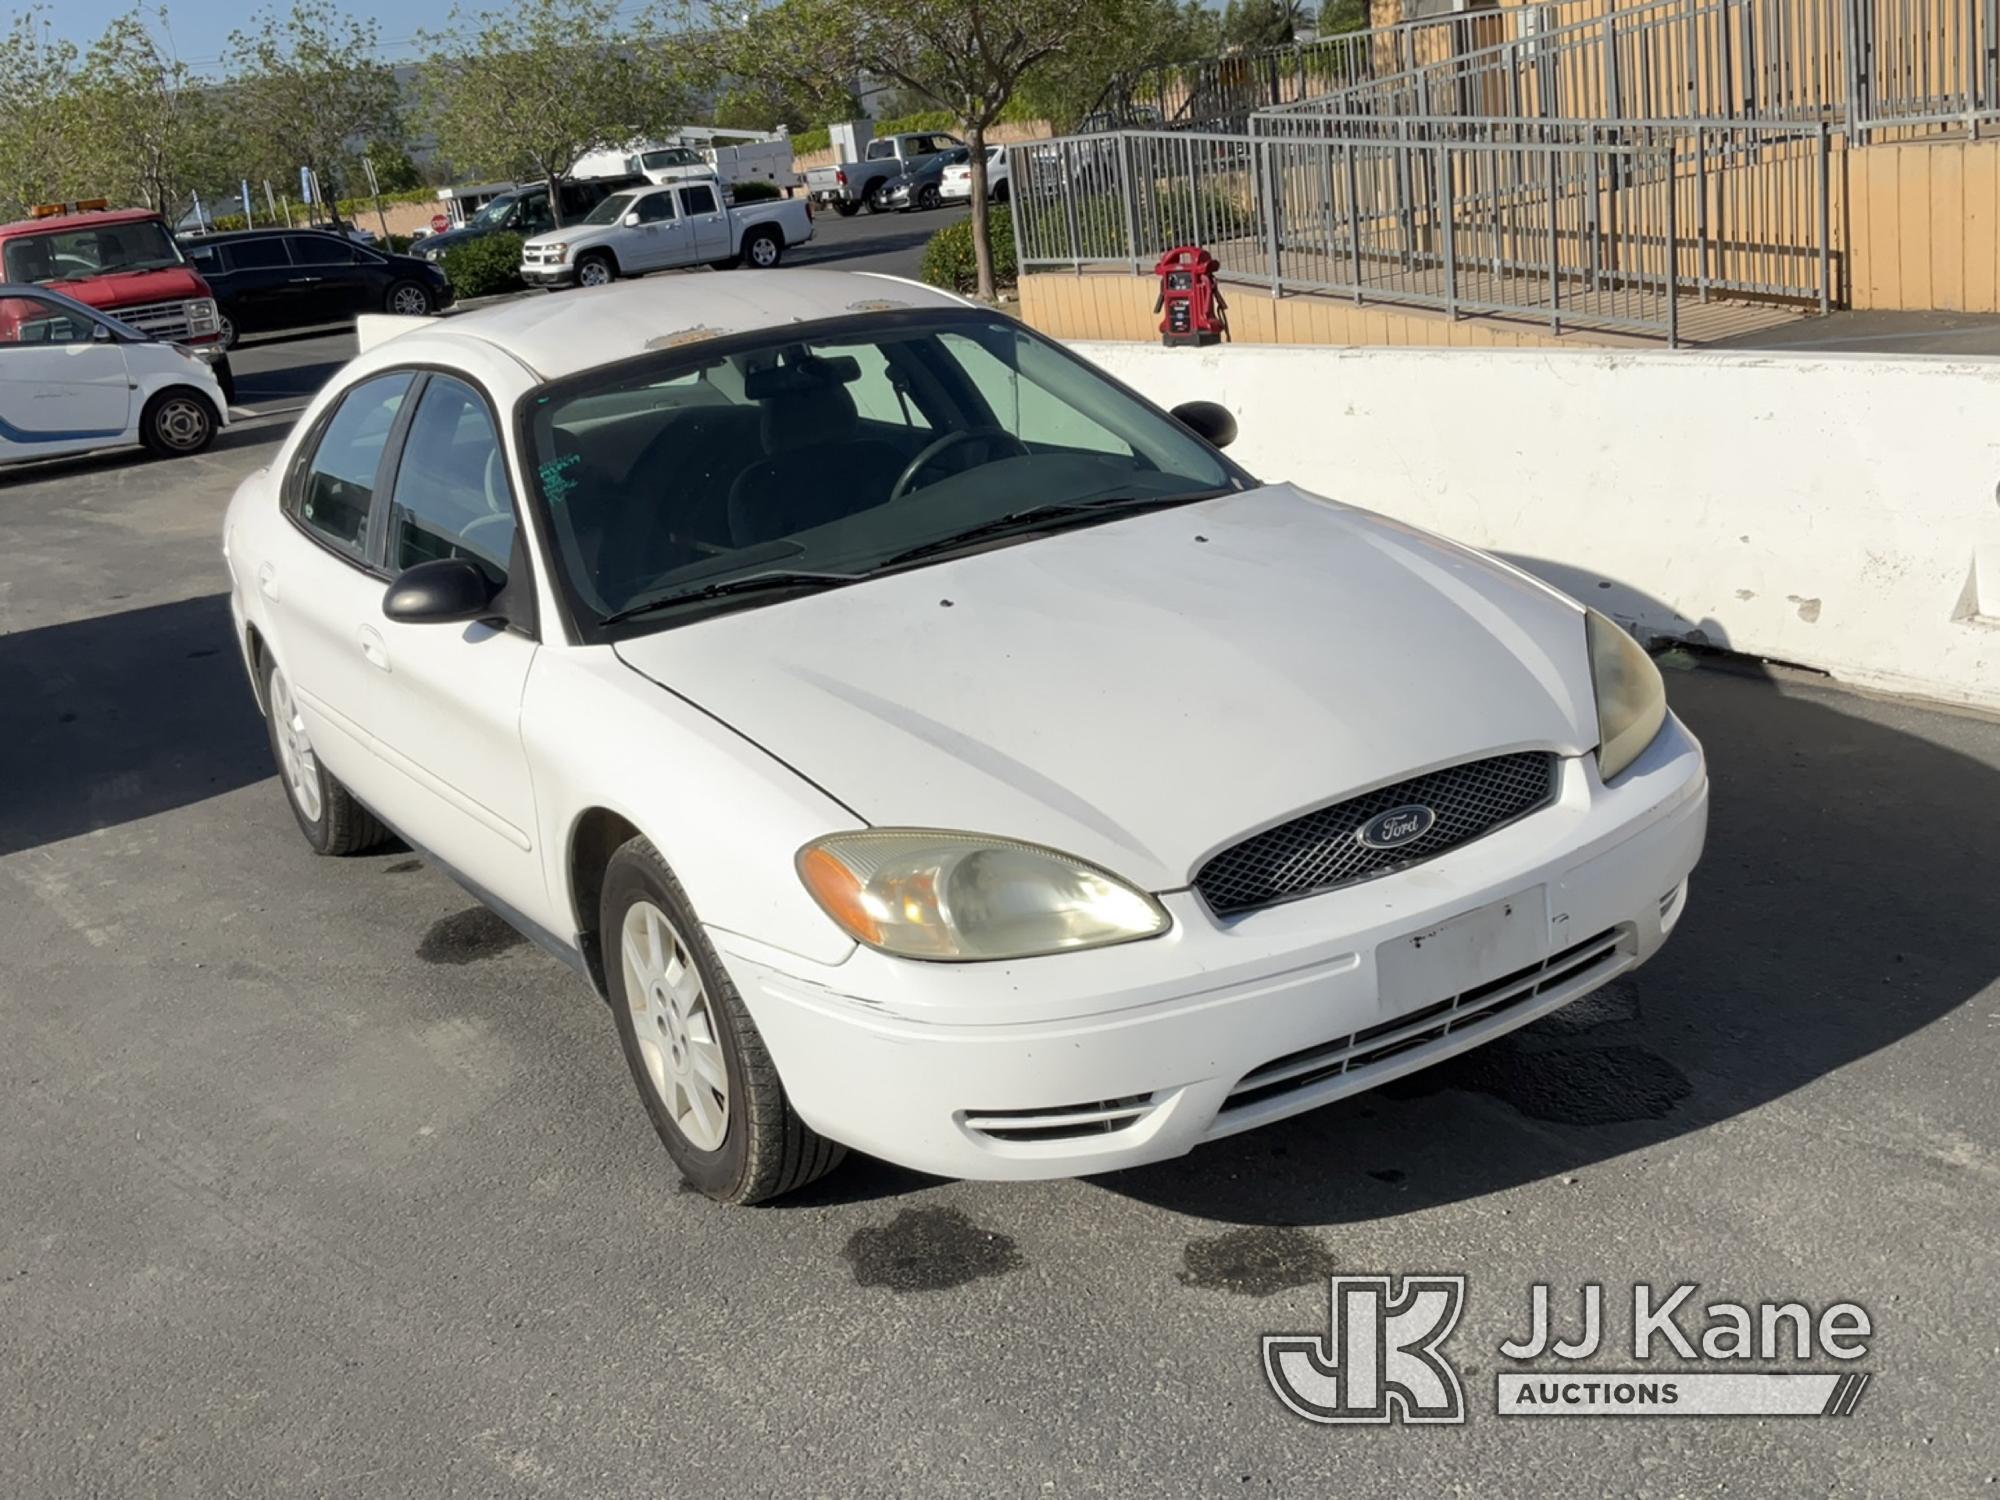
(1837, 512)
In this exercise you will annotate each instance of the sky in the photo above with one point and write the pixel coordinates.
(200, 28)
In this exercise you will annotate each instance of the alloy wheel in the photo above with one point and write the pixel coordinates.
(295, 750)
(593, 273)
(410, 301)
(764, 252)
(675, 1024)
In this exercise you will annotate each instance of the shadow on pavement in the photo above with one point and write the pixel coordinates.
(1831, 917)
(123, 716)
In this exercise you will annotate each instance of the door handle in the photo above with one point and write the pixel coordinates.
(372, 647)
(304, 280)
(267, 582)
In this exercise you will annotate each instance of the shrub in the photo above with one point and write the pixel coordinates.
(949, 261)
(756, 192)
(486, 266)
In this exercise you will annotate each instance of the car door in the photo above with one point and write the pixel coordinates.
(323, 589)
(707, 224)
(329, 272)
(446, 699)
(661, 237)
(257, 295)
(64, 387)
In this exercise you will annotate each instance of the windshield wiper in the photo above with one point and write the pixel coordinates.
(1037, 517)
(756, 583)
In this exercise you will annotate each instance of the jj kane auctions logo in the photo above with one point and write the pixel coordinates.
(1382, 1358)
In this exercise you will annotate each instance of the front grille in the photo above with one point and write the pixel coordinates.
(1064, 1122)
(1579, 968)
(166, 321)
(1323, 849)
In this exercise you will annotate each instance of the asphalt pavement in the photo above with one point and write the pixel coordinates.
(318, 1181)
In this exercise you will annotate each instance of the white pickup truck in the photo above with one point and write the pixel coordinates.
(659, 228)
(847, 185)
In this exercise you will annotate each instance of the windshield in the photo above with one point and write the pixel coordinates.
(73, 254)
(836, 454)
(675, 156)
(611, 210)
(494, 214)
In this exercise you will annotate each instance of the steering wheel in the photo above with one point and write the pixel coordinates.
(931, 451)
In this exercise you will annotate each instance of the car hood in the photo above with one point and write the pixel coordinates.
(1145, 692)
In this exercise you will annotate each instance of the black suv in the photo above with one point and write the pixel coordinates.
(525, 211)
(270, 279)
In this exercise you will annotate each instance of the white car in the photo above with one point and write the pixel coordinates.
(925, 744)
(682, 224)
(957, 180)
(73, 380)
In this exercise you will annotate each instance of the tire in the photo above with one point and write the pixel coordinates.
(329, 817)
(763, 249)
(177, 422)
(746, 1144)
(595, 268)
(407, 299)
(229, 334)
(928, 197)
(846, 210)
(878, 199)
(999, 193)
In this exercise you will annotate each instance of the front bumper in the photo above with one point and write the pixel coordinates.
(560, 275)
(1100, 1060)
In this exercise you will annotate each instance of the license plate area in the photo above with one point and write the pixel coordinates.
(1451, 957)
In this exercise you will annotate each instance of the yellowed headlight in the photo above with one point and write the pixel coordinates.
(1631, 698)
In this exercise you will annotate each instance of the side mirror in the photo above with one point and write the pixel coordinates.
(443, 592)
(631, 220)
(1208, 420)
(99, 334)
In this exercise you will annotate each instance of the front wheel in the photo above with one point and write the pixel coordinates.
(708, 1085)
(177, 423)
(928, 198)
(846, 210)
(763, 250)
(407, 299)
(596, 270)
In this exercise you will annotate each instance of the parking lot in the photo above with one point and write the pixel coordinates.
(320, 1181)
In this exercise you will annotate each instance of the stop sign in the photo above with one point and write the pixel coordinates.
(439, 223)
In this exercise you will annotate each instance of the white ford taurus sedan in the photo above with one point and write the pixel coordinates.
(928, 746)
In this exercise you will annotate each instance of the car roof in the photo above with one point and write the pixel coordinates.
(563, 333)
(223, 236)
(94, 219)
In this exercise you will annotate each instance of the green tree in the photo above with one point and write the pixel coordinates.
(40, 156)
(1133, 35)
(305, 84)
(148, 130)
(395, 172)
(1251, 24)
(967, 57)
(528, 89)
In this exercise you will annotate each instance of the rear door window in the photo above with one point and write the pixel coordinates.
(698, 200)
(319, 250)
(255, 255)
(335, 487)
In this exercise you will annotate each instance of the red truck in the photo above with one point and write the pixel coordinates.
(123, 262)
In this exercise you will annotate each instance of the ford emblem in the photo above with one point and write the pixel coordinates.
(1396, 827)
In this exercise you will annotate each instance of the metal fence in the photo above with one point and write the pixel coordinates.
(1726, 59)
(1601, 224)
(1878, 68)
(1924, 64)
(1221, 93)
